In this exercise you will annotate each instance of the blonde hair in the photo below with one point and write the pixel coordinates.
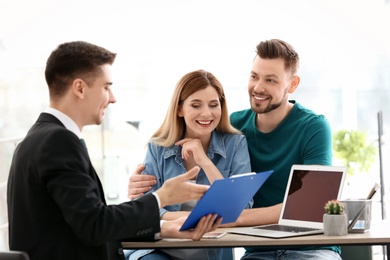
(173, 126)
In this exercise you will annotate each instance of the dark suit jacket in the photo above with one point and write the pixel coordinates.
(56, 204)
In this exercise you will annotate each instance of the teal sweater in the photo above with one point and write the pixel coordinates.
(303, 137)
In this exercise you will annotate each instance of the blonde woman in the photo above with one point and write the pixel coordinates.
(196, 132)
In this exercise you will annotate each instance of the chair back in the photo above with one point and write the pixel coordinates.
(14, 255)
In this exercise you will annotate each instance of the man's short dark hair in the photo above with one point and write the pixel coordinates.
(73, 60)
(275, 48)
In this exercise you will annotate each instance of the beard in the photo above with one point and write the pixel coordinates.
(258, 110)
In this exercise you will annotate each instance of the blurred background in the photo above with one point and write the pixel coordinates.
(344, 46)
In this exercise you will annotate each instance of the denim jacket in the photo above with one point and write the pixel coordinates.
(228, 152)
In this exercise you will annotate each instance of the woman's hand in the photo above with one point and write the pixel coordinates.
(193, 148)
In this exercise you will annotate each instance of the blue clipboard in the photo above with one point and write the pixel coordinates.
(227, 198)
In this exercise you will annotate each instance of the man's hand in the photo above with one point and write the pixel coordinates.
(257, 217)
(140, 183)
(178, 190)
(170, 229)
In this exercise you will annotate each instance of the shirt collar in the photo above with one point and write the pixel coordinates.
(65, 120)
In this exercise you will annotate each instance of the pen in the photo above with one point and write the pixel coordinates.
(373, 191)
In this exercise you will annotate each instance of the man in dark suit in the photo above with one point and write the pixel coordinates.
(56, 204)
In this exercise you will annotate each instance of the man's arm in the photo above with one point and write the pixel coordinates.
(249, 217)
(174, 191)
(258, 216)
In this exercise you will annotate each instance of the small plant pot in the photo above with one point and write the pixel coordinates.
(335, 225)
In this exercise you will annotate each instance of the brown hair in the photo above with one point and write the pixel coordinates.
(275, 48)
(73, 60)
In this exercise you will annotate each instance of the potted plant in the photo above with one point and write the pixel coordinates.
(354, 149)
(335, 219)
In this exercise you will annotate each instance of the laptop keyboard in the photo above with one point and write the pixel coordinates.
(287, 228)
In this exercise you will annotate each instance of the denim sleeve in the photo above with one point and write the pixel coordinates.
(153, 167)
(241, 160)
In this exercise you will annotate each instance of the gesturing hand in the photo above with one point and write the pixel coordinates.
(178, 190)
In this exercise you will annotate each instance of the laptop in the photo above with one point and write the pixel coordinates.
(309, 187)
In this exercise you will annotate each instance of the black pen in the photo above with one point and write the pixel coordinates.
(373, 191)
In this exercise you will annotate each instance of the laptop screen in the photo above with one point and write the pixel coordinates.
(309, 191)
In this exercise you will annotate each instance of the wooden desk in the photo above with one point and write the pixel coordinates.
(379, 234)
